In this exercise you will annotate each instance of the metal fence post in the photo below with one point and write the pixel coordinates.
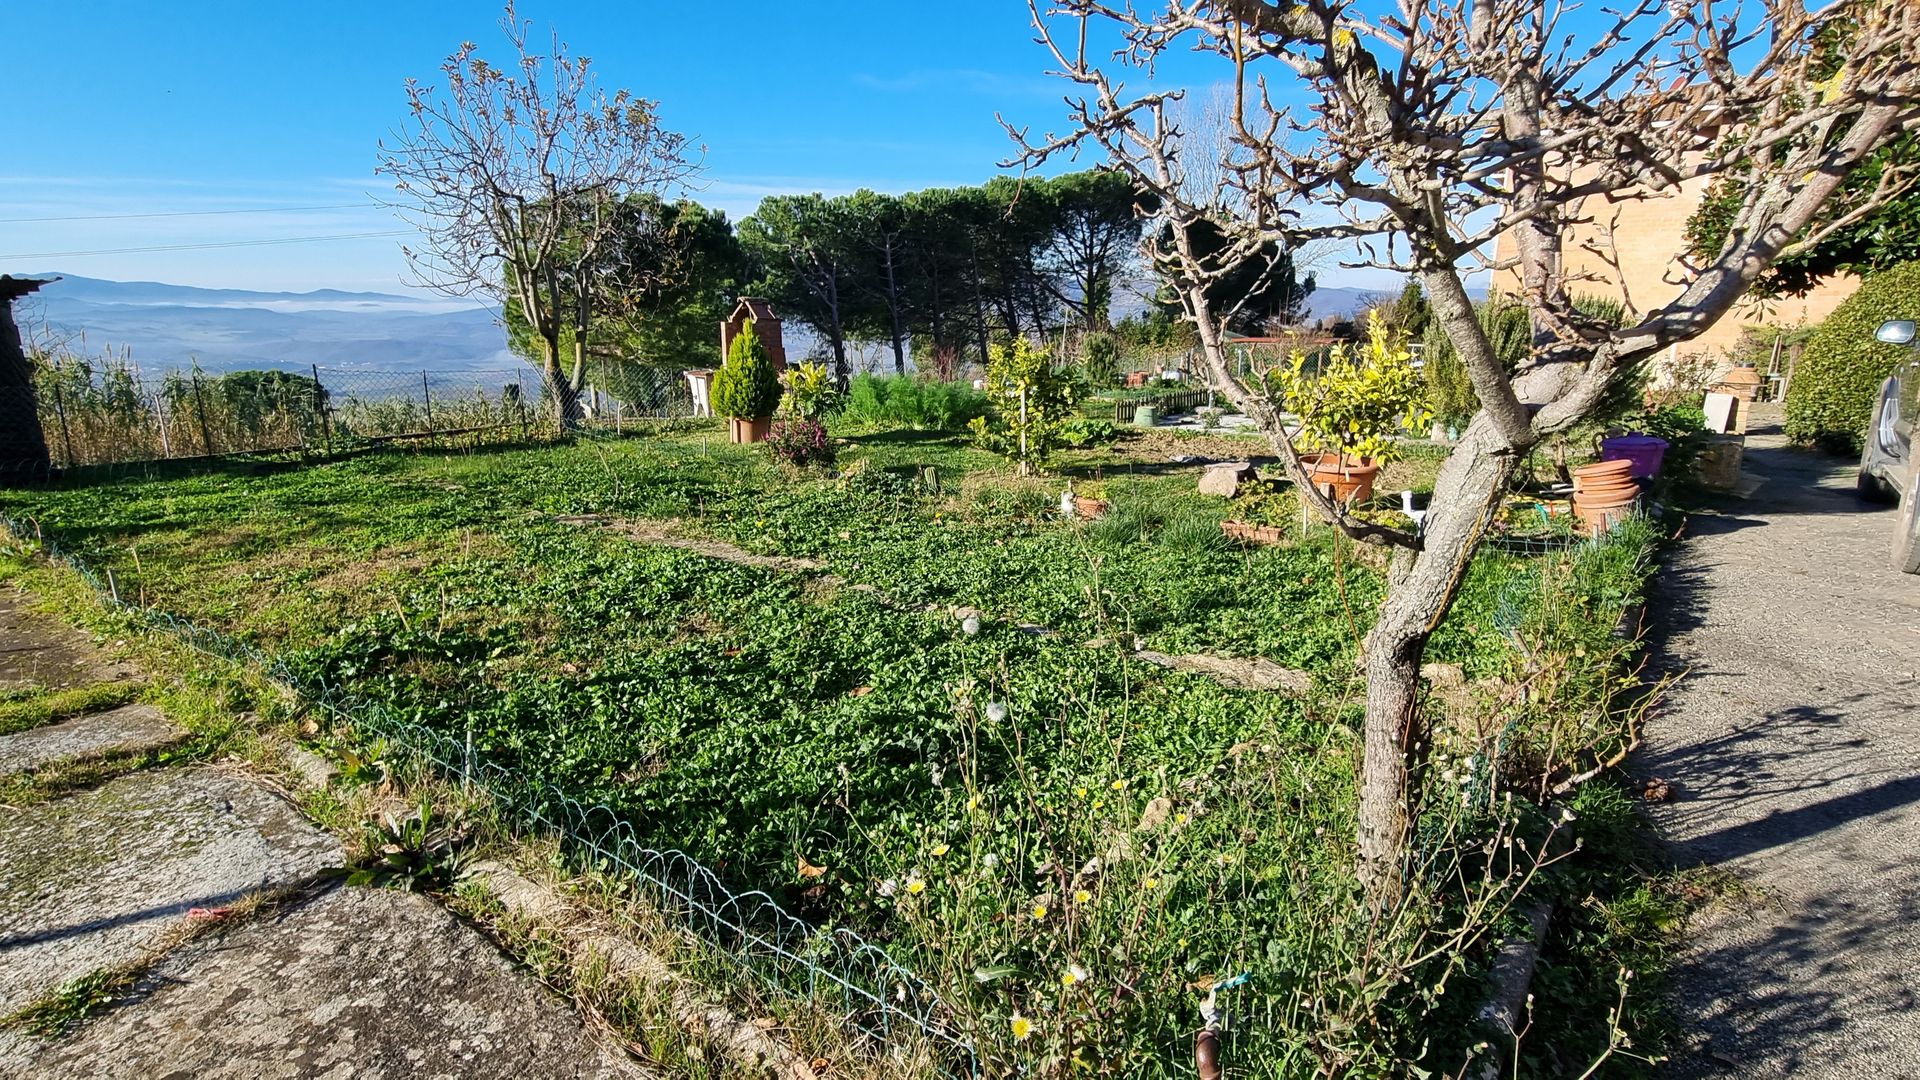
(326, 415)
(166, 436)
(200, 406)
(426, 394)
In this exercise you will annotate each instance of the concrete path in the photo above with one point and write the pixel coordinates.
(154, 870)
(1793, 747)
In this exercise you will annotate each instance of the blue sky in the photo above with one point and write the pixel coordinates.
(141, 108)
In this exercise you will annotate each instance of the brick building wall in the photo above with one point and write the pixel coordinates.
(1629, 250)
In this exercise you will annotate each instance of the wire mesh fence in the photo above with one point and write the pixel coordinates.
(107, 412)
(831, 969)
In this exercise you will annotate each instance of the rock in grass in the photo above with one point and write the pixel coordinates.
(1225, 478)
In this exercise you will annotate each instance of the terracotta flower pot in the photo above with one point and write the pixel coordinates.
(1249, 533)
(1345, 479)
(749, 431)
(1601, 473)
(1090, 509)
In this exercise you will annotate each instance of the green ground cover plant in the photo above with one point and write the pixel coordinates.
(1070, 842)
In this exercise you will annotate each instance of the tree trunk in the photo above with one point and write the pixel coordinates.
(1421, 586)
(893, 313)
(564, 392)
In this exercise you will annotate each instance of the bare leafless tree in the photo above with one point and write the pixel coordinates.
(1429, 134)
(515, 177)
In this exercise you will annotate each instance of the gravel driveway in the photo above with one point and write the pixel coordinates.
(1793, 747)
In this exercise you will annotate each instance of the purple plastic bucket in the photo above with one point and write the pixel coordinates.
(1644, 451)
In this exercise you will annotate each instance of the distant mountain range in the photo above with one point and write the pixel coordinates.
(174, 326)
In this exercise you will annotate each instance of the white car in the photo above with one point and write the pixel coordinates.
(1887, 466)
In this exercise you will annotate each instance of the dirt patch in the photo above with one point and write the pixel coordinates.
(40, 652)
(671, 534)
(1155, 445)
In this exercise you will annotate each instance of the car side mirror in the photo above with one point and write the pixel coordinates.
(1896, 332)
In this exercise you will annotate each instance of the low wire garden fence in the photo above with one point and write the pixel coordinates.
(832, 969)
(104, 413)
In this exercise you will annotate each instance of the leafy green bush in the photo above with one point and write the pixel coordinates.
(1831, 397)
(746, 386)
(909, 401)
(1031, 400)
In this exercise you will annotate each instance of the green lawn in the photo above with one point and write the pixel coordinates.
(955, 787)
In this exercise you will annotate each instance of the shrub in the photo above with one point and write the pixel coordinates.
(1831, 397)
(800, 442)
(1031, 400)
(1359, 399)
(906, 401)
(746, 387)
(1100, 360)
(1081, 432)
(810, 391)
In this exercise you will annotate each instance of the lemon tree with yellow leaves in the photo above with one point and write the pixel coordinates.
(1358, 400)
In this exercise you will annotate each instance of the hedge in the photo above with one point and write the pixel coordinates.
(1838, 378)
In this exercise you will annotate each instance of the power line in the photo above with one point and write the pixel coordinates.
(205, 247)
(185, 213)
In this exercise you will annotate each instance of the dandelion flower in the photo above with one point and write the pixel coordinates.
(1151, 883)
(1074, 975)
(1080, 792)
(940, 849)
(1226, 859)
(996, 712)
(888, 887)
(1039, 911)
(1180, 818)
(991, 860)
(1098, 803)
(1181, 944)
(1022, 1027)
(1119, 785)
(915, 886)
(1082, 896)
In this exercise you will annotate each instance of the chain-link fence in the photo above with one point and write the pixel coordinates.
(830, 969)
(95, 413)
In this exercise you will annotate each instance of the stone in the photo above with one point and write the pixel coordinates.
(130, 727)
(97, 879)
(368, 983)
(1225, 478)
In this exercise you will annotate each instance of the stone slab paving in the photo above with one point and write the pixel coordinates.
(41, 652)
(357, 983)
(130, 727)
(1793, 747)
(94, 879)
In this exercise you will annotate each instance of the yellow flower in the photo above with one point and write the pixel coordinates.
(1151, 883)
(915, 886)
(1226, 859)
(1182, 943)
(1119, 785)
(1039, 911)
(1082, 896)
(1074, 975)
(940, 849)
(1022, 1027)
(1080, 792)
(1098, 803)
(1180, 818)
(973, 802)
